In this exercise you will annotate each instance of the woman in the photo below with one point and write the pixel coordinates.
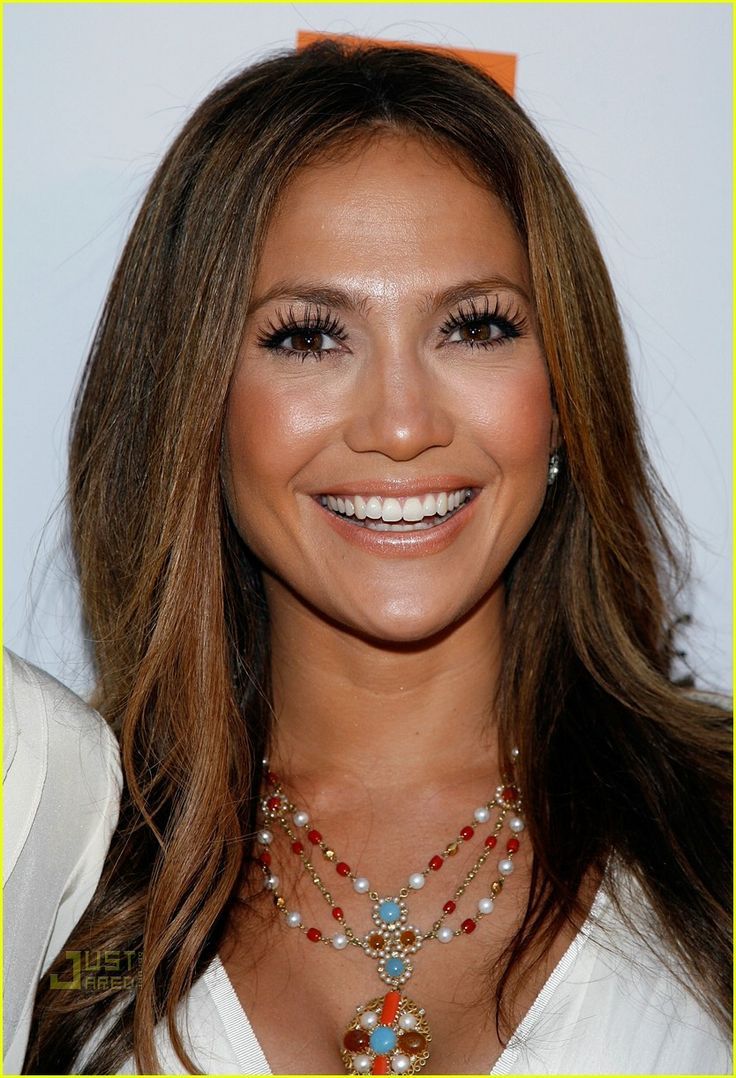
(358, 489)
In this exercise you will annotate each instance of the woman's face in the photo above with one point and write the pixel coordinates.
(390, 365)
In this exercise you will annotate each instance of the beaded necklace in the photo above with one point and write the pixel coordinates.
(389, 1034)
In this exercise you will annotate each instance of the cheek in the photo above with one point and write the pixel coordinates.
(269, 436)
(513, 418)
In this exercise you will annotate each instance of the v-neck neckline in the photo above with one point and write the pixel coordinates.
(251, 1059)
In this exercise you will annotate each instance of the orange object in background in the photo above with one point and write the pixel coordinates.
(501, 66)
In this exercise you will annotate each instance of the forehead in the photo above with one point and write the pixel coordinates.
(394, 211)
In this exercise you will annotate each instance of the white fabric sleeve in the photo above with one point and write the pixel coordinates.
(62, 786)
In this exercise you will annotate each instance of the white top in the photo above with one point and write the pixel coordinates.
(62, 784)
(607, 1008)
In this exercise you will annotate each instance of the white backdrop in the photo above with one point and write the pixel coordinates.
(635, 98)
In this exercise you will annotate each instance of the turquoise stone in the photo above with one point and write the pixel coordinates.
(389, 912)
(383, 1040)
(395, 967)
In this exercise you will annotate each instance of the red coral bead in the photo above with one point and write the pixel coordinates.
(512, 845)
(314, 935)
(337, 913)
(490, 841)
(273, 803)
(265, 858)
(449, 907)
(342, 869)
(297, 847)
(273, 779)
(467, 833)
(314, 837)
(436, 863)
(468, 925)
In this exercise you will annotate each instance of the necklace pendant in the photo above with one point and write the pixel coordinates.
(388, 1035)
(392, 941)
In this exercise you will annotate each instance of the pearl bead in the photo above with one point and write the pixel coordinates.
(272, 883)
(362, 1064)
(445, 934)
(265, 838)
(506, 867)
(301, 819)
(361, 885)
(293, 919)
(485, 905)
(400, 1063)
(516, 824)
(408, 1021)
(514, 753)
(369, 1020)
(339, 940)
(482, 814)
(416, 881)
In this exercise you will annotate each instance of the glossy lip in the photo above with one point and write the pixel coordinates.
(403, 544)
(401, 488)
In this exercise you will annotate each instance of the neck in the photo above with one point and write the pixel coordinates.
(378, 714)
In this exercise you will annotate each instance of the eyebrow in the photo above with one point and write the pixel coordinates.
(356, 302)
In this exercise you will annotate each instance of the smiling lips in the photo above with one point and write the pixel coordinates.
(415, 513)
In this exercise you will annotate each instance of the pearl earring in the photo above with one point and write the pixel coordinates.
(554, 468)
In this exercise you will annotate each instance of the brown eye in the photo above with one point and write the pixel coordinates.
(475, 331)
(307, 341)
(303, 342)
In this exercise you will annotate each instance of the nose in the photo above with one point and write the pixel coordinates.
(399, 408)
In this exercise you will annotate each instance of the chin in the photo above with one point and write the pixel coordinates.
(398, 624)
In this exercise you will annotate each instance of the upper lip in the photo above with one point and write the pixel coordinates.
(400, 488)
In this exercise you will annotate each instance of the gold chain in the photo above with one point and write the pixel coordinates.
(286, 807)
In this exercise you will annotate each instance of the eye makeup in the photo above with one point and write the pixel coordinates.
(485, 325)
(475, 320)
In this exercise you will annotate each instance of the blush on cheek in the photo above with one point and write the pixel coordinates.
(270, 431)
(516, 420)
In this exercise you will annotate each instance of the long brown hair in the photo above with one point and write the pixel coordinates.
(627, 766)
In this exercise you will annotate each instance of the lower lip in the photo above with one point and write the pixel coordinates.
(403, 544)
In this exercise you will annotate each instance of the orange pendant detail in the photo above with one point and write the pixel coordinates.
(388, 1035)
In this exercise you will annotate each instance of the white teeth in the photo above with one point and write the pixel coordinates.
(391, 510)
(372, 508)
(413, 509)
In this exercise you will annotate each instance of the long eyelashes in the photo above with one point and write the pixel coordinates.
(505, 318)
(312, 322)
(501, 318)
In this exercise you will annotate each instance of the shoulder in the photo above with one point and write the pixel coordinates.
(38, 707)
(62, 788)
(618, 1003)
(56, 747)
(642, 995)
